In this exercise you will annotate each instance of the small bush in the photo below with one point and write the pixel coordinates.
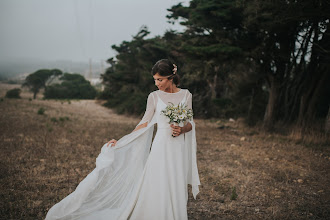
(49, 127)
(233, 194)
(134, 104)
(41, 111)
(65, 118)
(11, 81)
(13, 93)
(73, 86)
(61, 119)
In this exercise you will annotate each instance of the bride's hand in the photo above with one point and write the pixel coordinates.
(113, 142)
(176, 130)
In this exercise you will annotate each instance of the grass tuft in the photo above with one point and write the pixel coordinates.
(233, 194)
(41, 111)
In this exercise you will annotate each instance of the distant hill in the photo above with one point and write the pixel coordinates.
(19, 68)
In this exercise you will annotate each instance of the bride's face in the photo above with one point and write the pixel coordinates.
(162, 82)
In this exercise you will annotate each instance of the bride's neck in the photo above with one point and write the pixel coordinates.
(172, 89)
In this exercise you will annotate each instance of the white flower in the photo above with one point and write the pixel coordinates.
(175, 69)
(177, 113)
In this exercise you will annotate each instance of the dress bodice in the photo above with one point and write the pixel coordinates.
(161, 120)
(158, 100)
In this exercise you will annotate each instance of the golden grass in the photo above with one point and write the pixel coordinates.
(311, 137)
(43, 160)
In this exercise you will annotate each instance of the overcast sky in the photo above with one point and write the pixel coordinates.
(76, 29)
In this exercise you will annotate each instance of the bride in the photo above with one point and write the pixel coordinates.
(135, 177)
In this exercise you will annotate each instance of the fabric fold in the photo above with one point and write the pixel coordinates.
(192, 172)
(110, 168)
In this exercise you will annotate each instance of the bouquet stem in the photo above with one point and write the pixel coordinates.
(175, 124)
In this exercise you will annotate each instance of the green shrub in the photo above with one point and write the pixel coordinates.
(133, 104)
(13, 93)
(233, 194)
(49, 127)
(61, 119)
(11, 81)
(74, 86)
(224, 108)
(65, 118)
(41, 111)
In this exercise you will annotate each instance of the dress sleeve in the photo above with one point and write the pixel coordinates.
(150, 110)
(189, 102)
(191, 146)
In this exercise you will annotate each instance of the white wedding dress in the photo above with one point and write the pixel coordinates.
(139, 179)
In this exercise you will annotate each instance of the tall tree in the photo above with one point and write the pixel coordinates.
(233, 54)
(285, 33)
(37, 80)
(73, 86)
(128, 80)
(211, 46)
(281, 40)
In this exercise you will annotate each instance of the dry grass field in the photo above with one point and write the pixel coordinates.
(245, 173)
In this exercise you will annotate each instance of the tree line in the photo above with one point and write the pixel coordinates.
(268, 61)
(70, 85)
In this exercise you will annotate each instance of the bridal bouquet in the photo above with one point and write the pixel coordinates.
(177, 113)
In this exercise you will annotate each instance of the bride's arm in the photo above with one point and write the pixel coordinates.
(149, 113)
(177, 130)
(141, 126)
(186, 128)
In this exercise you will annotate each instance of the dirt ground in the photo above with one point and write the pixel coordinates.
(245, 173)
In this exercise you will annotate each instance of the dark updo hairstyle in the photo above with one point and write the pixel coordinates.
(164, 67)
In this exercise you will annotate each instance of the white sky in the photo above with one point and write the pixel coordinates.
(76, 29)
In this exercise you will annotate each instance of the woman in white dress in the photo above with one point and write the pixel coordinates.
(137, 178)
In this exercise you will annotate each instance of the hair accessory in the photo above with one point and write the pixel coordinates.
(175, 69)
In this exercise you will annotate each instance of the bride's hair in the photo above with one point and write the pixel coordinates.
(164, 67)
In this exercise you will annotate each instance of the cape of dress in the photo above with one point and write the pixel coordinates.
(131, 181)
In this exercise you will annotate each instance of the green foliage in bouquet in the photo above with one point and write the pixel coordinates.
(177, 113)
